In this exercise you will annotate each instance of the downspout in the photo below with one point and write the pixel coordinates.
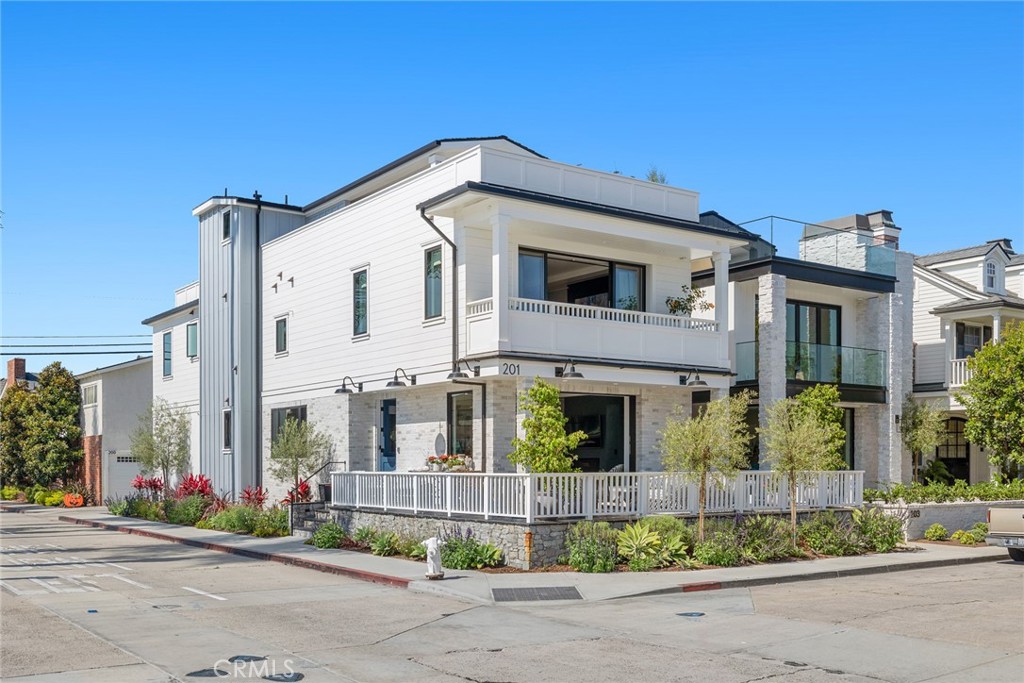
(455, 288)
(258, 402)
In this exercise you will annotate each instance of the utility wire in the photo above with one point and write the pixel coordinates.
(80, 353)
(58, 346)
(77, 336)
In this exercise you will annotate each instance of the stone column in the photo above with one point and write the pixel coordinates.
(771, 344)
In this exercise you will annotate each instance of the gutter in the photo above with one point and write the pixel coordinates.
(455, 287)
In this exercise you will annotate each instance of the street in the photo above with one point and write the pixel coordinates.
(80, 604)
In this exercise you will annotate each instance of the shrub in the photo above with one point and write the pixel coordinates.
(54, 498)
(463, 551)
(299, 494)
(972, 536)
(411, 548)
(9, 492)
(667, 526)
(592, 546)
(981, 526)
(764, 538)
(878, 531)
(254, 497)
(721, 545)
(826, 534)
(118, 506)
(936, 532)
(364, 535)
(329, 535)
(39, 497)
(385, 544)
(638, 545)
(272, 522)
(186, 511)
(144, 508)
(194, 485)
(236, 518)
(941, 493)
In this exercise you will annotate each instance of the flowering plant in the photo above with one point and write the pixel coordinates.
(153, 485)
(194, 485)
(300, 494)
(255, 497)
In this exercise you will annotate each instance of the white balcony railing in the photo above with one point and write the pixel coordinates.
(959, 373)
(531, 497)
(611, 314)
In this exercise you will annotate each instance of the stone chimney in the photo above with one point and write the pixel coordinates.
(884, 229)
(15, 371)
(1004, 243)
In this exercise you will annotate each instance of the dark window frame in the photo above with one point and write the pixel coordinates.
(437, 283)
(954, 440)
(168, 353)
(225, 230)
(227, 429)
(278, 416)
(609, 264)
(450, 401)
(281, 334)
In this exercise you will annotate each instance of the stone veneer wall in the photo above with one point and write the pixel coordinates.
(960, 515)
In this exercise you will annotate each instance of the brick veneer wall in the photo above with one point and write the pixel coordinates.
(92, 465)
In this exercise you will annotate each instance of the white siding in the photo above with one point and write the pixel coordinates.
(931, 346)
(971, 273)
(181, 389)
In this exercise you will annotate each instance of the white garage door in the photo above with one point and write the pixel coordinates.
(119, 469)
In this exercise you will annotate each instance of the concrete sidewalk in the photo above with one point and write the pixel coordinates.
(477, 586)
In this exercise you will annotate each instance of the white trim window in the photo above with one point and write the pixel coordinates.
(227, 429)
(281, 335)
(167, 353)
(990, 276)
(225, 230)
(360, 303)
(433, 287)
(192, 340)
(90, 394)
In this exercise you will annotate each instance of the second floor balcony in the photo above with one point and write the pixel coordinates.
(819, 364)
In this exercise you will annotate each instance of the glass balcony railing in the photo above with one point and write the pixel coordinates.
(819, 363)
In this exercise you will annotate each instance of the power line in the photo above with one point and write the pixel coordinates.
(77, 336)
(80, 353)
(58, 346)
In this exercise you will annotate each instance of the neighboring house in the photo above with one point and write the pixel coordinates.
(962, 300)
(113, 400)
(175, 370)
(837, 314)
(16, 373)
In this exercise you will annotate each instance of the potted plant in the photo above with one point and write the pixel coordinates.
(689, 301)
(434, 463)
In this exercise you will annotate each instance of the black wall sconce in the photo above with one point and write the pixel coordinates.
(345, 383)
(399, 383)
(571, 374)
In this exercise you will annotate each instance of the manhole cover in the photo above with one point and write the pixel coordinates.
(531, 594)
(691, 614)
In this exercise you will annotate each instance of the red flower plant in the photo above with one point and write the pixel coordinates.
(300, 494)
(254, 497)
(195, 485)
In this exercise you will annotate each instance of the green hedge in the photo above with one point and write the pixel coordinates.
(945, 493)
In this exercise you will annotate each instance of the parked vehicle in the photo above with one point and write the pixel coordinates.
(1006, 529)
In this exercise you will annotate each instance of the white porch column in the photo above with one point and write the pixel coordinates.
(500, 276)
(721, 259)
(949, 335)
(997, 320)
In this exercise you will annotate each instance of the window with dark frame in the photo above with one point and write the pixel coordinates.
(432, 286)
(167, 354)
(281, 335)
(460, 423)
(359, 303)
(954, 444)
(227, 429)
(226, 225)
(278, 416)
(192, 340)
(581, 280)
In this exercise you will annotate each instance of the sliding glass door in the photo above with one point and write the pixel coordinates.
(580, 280)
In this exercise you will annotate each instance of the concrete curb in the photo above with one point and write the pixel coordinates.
(22, 508)
(360, 574)
(812, 576)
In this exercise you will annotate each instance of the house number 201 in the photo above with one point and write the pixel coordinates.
(510, 368)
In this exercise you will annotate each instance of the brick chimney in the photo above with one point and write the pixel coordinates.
(15, 370)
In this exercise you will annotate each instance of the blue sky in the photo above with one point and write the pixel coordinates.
(118, 119)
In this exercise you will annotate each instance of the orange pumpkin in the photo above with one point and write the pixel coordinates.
(73, 500)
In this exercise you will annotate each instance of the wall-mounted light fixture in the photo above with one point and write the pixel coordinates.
(456, 373)
(896, 418)
(399, 383)
(344, 388)
(571, 373)
(684, 380)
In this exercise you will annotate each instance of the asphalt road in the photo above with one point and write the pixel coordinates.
(84, 605)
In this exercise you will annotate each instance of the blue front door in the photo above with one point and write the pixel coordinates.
(387, 435)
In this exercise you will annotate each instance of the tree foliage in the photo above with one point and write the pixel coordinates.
(994, 398)
(298, 451)
(545, 446)
(655, 176)
(921, 427)
(52, 448)
(822, 401)
(161, 442)
(796, 444)
(16, 407)
(712, 444)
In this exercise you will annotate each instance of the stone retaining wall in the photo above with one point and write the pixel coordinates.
(953, 516)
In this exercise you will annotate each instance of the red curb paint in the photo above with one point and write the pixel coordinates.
(706, 586)
(360, 574)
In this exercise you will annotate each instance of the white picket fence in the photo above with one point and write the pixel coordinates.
(531, 497)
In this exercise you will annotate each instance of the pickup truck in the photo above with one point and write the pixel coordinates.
(1006, 529)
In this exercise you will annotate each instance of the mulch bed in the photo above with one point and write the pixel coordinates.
(948, 542)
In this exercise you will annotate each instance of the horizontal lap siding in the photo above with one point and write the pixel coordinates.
(387, 233)
(930, 355)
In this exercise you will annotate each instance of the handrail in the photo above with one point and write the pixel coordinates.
(321, 469)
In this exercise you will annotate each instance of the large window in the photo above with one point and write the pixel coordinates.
(167, 354)
(970, 338)
(954, 450)
(580, 280)
(278, 416)
(812, 342)
(359, 303)
(281, 335)
(192, 340)
(432, 289)
(460, 423)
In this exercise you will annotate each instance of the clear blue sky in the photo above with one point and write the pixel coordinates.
(118, 119)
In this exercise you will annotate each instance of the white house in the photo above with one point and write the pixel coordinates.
(962, 299)
(113, 400)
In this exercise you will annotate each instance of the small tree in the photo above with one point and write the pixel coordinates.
(796, 443)
(994, 399)
(655, 176)
(298, 451)
(545, 446)
(53, 438)
(161, 442)
(921, 427)
(822, 401)
(16, 407)
(713, 444)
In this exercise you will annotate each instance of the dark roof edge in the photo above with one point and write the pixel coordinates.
(803, 270)
(171, 311)
(252, 202)
(114, 366)
(565, 202)
(403, 160)
(955, 306)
